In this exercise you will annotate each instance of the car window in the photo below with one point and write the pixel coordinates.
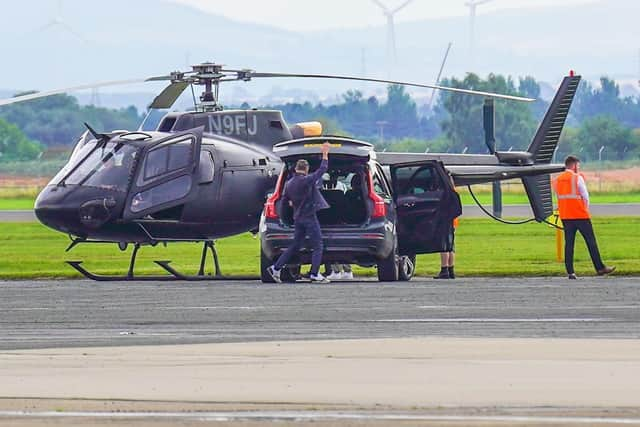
(378, 186)
(417, 181)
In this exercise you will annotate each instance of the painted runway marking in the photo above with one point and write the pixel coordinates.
(214, 307)
(501, 307)
(490, 320)
(315, 416)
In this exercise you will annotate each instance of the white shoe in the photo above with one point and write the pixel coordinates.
(319, 278)
(347, 275)
(335, 275)
(275, 274)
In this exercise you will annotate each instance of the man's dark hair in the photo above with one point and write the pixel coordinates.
(302, 166)
(570, 161)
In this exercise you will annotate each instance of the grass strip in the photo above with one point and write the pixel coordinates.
(484, 248)
(24, 203)
(18, 204)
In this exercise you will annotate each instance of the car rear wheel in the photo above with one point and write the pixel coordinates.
(290, 273)
(265, 262)
(388, 267)
(406, 267)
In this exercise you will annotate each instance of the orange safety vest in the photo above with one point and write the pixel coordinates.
(570, 202)
(455, 220)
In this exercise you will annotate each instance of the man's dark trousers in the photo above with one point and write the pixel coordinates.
(304, 227)
(571, 226)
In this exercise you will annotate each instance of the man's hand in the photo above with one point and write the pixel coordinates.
(325, 150)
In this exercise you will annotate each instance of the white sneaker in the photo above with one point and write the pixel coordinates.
(347, 275)
(335, 275)
(275, 274)
(319, 278)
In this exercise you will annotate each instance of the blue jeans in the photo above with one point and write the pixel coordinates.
(304, 227)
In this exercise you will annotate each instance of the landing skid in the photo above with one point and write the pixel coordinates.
(180, 276)
(174, 275)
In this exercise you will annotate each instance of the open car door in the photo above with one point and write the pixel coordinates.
(166, 176)
(426, 204)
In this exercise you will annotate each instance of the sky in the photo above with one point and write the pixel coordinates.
(307, 15)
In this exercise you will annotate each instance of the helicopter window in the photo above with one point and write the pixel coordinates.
(206, 168)
(82, 148)
(167, 158)
(164, 193)
(179, 155)
(166, 124)
(106, 167)
(156, 163)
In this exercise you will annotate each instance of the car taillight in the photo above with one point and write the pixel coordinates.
(379, 207)
(270, 210)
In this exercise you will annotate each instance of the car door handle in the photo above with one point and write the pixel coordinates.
(409, 204)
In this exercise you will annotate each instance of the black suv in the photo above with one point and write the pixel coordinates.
(379, 216)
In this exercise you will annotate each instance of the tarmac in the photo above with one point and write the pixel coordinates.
(512, 351)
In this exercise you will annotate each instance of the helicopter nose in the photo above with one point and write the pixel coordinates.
(76, 211)
(53, 210)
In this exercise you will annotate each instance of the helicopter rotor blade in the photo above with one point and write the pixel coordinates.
(169, 95)
(364, 79)
(46, 93)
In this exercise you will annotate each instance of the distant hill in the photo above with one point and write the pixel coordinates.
(122, 39)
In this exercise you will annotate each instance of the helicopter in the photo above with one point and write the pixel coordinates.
(206, 174)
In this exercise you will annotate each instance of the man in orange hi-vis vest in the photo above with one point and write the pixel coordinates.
(573, 205)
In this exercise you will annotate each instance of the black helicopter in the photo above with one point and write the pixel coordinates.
(206, 174)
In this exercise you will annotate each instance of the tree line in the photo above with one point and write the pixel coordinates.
(599, 117)
(29, 128)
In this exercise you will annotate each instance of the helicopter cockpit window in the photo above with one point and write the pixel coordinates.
(79, 152)
(106, 167)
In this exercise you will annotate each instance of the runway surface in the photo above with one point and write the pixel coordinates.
(477, 352)
(42, 314)
(516, 211)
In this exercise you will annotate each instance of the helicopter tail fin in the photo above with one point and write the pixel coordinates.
(544, 145)
(546, 138)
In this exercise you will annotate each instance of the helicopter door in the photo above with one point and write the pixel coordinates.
(166, 175)
(426, 205)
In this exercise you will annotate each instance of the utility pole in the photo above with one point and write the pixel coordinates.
(381, 124)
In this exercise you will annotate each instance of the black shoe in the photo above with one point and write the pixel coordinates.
(572, 276)
(452, 274)
(605, 270)
(444, 273)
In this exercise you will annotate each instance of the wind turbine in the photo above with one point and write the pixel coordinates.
(472, 5)
(391, 53)
(57, 22)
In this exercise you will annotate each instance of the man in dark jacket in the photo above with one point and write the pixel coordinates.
(302, 192)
